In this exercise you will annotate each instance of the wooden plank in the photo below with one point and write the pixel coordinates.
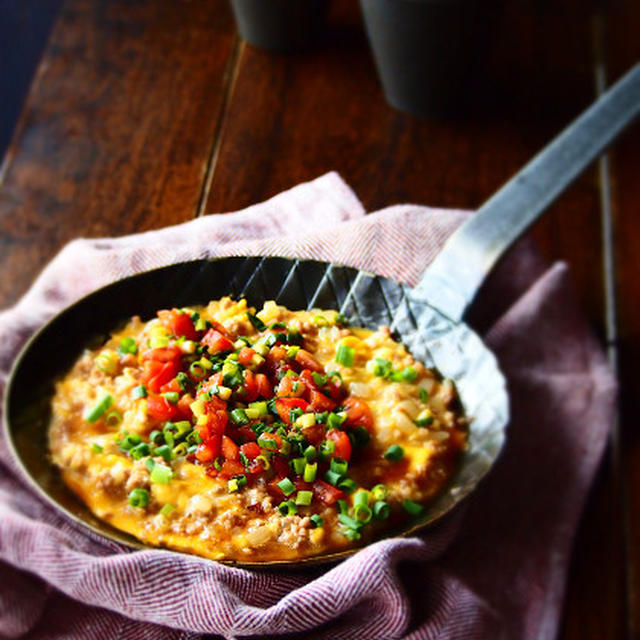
(623, 49)
(116, 135)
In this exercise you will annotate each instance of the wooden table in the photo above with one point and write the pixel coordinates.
(149, 113)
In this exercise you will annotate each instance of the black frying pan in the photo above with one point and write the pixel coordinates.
(427, 318)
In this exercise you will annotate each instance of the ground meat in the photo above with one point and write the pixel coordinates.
(295, 531)
(139, 478)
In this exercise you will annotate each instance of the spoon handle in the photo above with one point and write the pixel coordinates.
(454, 277)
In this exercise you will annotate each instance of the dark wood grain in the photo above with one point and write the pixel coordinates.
(118, 128)
(623, 51)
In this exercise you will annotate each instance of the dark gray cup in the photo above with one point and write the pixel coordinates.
(424, 51)
(280, 25)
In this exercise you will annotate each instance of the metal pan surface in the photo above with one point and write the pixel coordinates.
(427, 319)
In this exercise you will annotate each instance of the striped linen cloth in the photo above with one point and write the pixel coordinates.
(496, 569)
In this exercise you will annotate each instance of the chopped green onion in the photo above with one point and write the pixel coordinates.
(161, 474)
(379, 492)
(349, 522)
(164, 452)
(320, 321)
(361, 498)
(236, 483)
(263, 461)
(113, 418)
(335, 420)
(347, 485)
(218, 462)
(339, 466)
(409, 374)
(139, 392)
(310, 453)
(96, 448)
(380, 367)
(197, 370)
(351, 534)
(411, 507)
(327, 447)
(150, 463)
(394, 453)
(139, 498)
(167, 510)
(171, 397)
(381, 510)
(304, 498)
(424, 395)
(341, 319)
(321, 417)
(128, 345)
(286, 486)
(425, 418)
(298, 465)
(343, 506)
(180, 450)
(267, 441)
(362, 513)
(105, 363)
(156, 437)
(319, 379)
(238, 416)
(345, 355)
(139, 451)
(316, 521)
(333, 478)
(256, 410)
(292, 351)
(128, 441)
(183, 381)
(256, 322)
(193, 438)
(98, 410)
(310, 471)
(295, 413)
(287, 508)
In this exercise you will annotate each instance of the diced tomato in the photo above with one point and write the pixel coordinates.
(276, 360)
(358, 413)
(184, 406)
(216, 342)
(245, 356)
(301, 485)
(163, 354)
(216, 423)
(343, 444)
(154, 376)
(251, 450)
(314, 434)
(159, 408)
(231, 468)
(172, 385)
(213, 381)
(307, 377)
(291, 386)
(335, 389)
(214, 404)
(284, 406)
(307, 361)
(246, 434)
(274, 490)
(230, 450)
(180, 324)
(320, 402)
(249, 390)
(326, 493)
(281, 466)
(255, 466)
(265, 389)
(209, 449)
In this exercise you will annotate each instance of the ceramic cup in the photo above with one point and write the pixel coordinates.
(424, 51)
(280, 25)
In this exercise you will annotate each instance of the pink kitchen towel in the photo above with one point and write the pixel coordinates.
(496, 569)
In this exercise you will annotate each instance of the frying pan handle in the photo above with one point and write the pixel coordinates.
(451, 281)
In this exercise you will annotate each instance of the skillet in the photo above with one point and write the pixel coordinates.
(427, 318)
